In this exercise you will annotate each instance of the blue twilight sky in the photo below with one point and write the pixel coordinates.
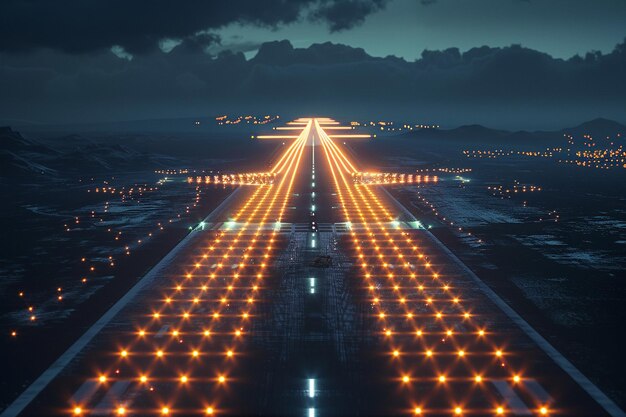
(404, 28)
(104, 60)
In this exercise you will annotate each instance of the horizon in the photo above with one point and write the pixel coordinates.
(470, 63)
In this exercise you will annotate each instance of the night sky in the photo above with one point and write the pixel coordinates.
(547, 62)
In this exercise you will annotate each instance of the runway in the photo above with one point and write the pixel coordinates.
(312, 295)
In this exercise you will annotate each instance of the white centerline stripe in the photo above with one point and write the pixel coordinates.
(162, 331)
(112, 398)
(537, 390)
(513, 401)
(85, 392)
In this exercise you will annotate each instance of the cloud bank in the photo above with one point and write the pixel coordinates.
(510, 87)
(138, 26)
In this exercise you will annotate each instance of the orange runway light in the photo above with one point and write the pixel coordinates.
(275, 137)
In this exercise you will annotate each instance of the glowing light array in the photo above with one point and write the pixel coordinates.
(422, 318)
(234, 292)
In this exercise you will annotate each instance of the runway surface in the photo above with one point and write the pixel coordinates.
(312, 295)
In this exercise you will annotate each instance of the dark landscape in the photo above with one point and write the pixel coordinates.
(313, 208)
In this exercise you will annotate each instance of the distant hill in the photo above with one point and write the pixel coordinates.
(597, 127)
(21, 157)
(478, 134)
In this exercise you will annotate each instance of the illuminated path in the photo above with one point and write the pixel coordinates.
(315, 295)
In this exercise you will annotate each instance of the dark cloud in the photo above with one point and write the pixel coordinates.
(507, 86)
(80, 26)
(344, 14)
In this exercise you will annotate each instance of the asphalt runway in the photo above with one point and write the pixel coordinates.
(311, 296)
